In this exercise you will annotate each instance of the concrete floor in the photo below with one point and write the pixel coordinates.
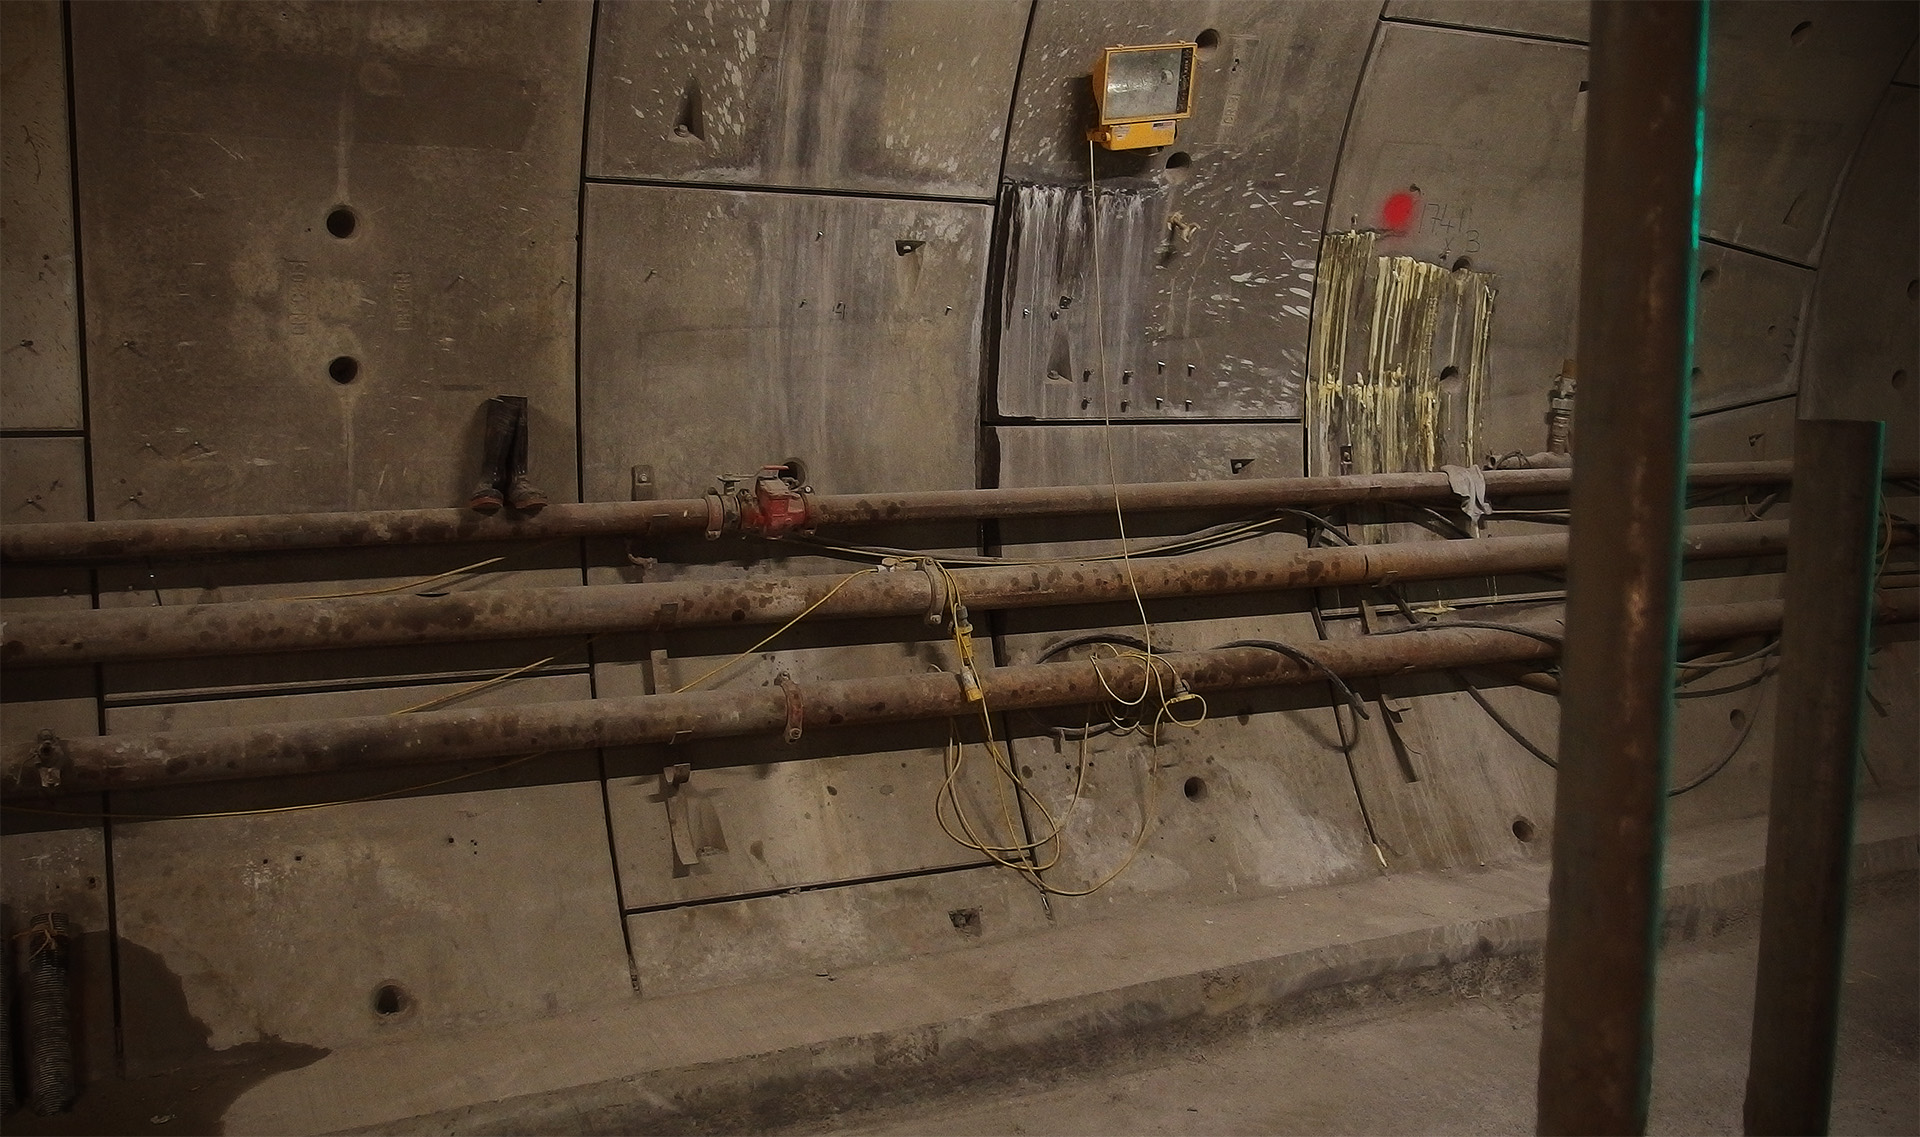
(1403, 1003)
(1467, 1065)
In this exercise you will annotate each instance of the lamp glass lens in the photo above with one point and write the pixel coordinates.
(1141, 84)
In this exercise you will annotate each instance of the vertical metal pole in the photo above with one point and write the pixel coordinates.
(1646, 69)
(1824, 640)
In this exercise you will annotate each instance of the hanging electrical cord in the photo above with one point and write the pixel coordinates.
(1106, 400)
(475, 689)
(1302, 658)
(776, 633)
(403, 586)
(1010, 787)
(1214, 537)
(421, 582)
(1053, 649)
(1545, 637)
(1152, 683)
(1348, 739)
(1533, 748)
(1705, 664)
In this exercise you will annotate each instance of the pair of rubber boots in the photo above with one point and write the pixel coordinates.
(503, 461)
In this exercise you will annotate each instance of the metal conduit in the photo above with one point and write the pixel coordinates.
(1824, 641)
(95, 541)
(262, 626)
(53, 766)
(1639, 223)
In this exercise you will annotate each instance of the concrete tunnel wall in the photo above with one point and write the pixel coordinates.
(700, 237)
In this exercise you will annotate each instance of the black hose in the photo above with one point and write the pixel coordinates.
(1304, 659)
(49, 1016)
(1533, 748)
(1120, 639)
(1442, 625)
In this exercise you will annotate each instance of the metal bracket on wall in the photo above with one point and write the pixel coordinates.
(49, 759)
(644, 489)
(672, 778)
(1397, 713)
(1402, 728)
(795, 713)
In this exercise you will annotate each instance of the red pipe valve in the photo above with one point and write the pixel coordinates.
(771, 503)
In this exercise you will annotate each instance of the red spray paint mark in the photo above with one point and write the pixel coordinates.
(1396, 213)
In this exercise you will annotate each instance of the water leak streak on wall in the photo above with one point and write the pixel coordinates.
(1052, 343)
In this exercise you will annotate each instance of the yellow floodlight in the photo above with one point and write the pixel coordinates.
(1141, 92)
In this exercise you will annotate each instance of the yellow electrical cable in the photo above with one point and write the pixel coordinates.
(1003, 852)
(777, 632)
(1197, 542)
(403, 586)
(451, 696)
(422, 582)
(1106, 386)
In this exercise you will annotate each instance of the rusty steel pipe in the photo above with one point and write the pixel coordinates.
(119, 635)
(99, 541)
(1827, 633)
(56, 767)
(1639, 221)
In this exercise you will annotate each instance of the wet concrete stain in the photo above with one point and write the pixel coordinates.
(173, 1082)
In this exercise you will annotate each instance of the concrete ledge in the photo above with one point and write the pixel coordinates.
(760, 1056)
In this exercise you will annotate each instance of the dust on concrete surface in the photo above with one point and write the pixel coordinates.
(1466, 1063)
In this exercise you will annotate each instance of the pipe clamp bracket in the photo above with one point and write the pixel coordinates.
(795, 713)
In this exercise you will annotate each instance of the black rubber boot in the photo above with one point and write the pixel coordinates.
(521, 493)
(498, 444)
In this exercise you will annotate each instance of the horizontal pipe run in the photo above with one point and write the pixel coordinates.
(252, 627)
(97, 541)
(86, 765)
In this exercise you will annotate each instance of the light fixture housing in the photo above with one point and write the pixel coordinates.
(1140, 91)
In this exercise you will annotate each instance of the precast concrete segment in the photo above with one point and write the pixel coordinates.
(53, 767)
(202, 536)
(253, 627)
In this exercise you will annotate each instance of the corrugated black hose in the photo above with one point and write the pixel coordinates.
(47, 1008)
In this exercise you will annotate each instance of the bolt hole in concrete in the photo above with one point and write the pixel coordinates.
(1523, 829)
(342, 222)
(1800, 32)
(1207, 41)
(1195, 789)
(1736, 718)
(1913, 289)
(390, 999)
(1462, 263)
(1900, 379)
(1707, 275)
(344, 369)
(966, 921)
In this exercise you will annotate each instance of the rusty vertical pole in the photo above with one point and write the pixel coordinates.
(1639, 220)
(1824, 640)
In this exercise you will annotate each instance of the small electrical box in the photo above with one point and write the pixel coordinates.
(1140, 92)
